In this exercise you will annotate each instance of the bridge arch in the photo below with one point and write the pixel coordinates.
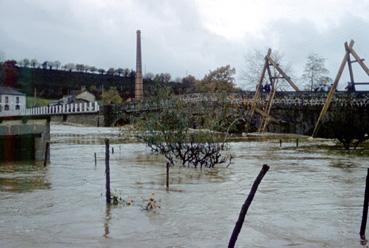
(121, 120)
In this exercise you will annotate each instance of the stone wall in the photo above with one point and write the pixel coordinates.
(297, 112)
(37, 131)
(94, 120)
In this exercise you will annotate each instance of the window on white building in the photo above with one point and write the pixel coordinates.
(17, 100)
(6, 99)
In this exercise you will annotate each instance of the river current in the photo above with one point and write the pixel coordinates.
(311, 197)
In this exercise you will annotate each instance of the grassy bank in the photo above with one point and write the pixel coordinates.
(35, 101)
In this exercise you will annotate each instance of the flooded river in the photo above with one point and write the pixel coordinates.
(311, 197)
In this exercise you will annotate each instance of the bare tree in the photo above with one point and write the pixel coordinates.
(110, 71)
(57, 64)
(119, 71)
(26, 62)
(69, 67)
(93, 69)
(315, 72)
(80, 67)
(86, 68)
(167, 132)
(45, 64)
(254, 63)
(126, 72)
(34, 63)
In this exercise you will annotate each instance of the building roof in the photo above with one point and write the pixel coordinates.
(9, 91)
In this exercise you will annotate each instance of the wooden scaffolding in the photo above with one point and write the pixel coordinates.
(349, 61)
(274, 72)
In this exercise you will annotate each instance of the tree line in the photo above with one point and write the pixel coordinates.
(57, 65)
(221, 79)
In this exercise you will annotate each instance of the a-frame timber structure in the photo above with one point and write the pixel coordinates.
(349, 61)
(274, 72)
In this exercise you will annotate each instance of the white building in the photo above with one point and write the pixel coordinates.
(11, 100)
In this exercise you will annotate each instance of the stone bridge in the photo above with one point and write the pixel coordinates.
(25, 133)
(296, 112)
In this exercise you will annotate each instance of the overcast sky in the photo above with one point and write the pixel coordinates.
(182, 36)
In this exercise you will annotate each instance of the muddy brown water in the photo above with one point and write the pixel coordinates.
(311, 197)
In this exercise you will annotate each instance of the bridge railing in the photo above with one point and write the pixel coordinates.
(72, 108)
(281, 99)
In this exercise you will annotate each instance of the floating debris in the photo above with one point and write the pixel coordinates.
(151, 203)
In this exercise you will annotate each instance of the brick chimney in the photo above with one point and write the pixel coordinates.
(139, 81)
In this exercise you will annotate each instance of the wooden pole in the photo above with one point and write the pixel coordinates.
(246, 206)
(259, 85)
(285, 76)
(107, 172)
(359, 60)
(333, 89)
(167, 178)
(265, 119)
(349, 63)
(47, 152)
(365, 211)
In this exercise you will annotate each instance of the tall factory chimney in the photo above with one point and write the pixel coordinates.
(138, 82)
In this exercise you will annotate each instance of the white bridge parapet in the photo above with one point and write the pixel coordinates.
(72, 108)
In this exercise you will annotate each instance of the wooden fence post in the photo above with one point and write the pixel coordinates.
(107, 172)
(365, 211)
(167, 178)
(246, 206)
(47, 152)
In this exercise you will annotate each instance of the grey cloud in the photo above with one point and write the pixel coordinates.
(174, 38)
(299, 39)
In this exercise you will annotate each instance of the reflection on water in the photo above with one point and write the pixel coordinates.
(311, 197)
(23, 176)
(107, 221)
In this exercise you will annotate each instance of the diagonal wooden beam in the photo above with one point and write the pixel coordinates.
(333, 89)
(259, 85)
(269, 73)
(266, 120)
(264, 114)
(349, 64)
(262, 76)
(285, 76)
(359, 60)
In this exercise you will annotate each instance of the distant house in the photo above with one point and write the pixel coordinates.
(86, 96)
(11, 100)
(83, 96)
